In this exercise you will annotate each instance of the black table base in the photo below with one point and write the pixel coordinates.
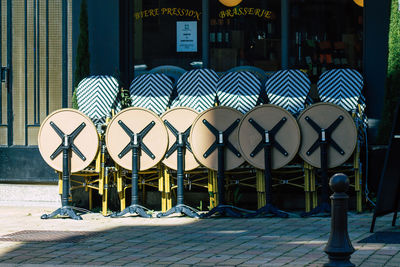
(67, 146)
(180, 209)
(323, 142)
(133, 209)
(135, 145)
(269, 209)
(225, 211)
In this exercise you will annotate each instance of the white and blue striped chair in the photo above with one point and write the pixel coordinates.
(151, 91)
(290, 90)
(97, 97)
(197, 89)
(261, 75)
(343, 87)
(238, 90)
(174, 73)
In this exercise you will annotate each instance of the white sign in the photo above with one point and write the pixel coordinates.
(186, 36)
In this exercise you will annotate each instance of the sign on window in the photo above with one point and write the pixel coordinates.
(186, 36)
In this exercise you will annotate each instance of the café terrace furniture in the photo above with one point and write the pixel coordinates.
(240, 89)
(196, 90)
(290, 89)
(343, 87)
(206, 132)
(68, 142)
(137, 140)
(152, 92)
(97, 98)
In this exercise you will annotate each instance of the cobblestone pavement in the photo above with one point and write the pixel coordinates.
(180, 241)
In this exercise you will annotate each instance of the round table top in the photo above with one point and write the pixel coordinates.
(288, 136)
(201, 138)
(181, 118)
(345, 134)
(67, 120)
(136, 119)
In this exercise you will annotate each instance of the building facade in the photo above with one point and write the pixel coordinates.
(129, 37)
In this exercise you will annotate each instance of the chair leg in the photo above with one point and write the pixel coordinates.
(307, 193)
(210, 189)
(214, 189)
(104, 198)
(167, 188)
(313, 188)
(121, 190)
(161, 187)
(260, 189)
(90, 198)
(357, 179)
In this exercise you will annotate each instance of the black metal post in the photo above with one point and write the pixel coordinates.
(323, 142)
(221, 174)
(180, 145)
(339, 247)
(135, 145)
(179, 174)
(135, 176)
(267, 142)
(222, 141)
(267, 173)
(324, 168)
(66, 173)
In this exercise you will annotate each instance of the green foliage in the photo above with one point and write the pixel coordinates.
(82, 68)
(126, 100)
(392, 92)
(74, 100)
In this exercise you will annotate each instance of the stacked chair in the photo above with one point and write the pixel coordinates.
(343, 87)
(196, 92)
(240, 89)
(151, 93)
(81, 139)
(197, 128)
(97, 97)
(290, 89)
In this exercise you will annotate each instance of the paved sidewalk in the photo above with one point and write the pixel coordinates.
(179, 241)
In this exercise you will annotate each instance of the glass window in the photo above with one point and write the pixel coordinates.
(167, 32)
(325, 34)
(248, 34)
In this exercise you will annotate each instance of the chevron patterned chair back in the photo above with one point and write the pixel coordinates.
(239, 90)
(288, 89)
(151, 91)
(197, 89)
(97, 96)
(261, 75)
(341, 87)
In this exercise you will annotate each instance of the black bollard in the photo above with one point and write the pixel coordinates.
(339, 247)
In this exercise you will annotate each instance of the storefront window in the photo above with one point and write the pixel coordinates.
(170, 33)
(248, 34)
(167, 33)
(325, 34)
